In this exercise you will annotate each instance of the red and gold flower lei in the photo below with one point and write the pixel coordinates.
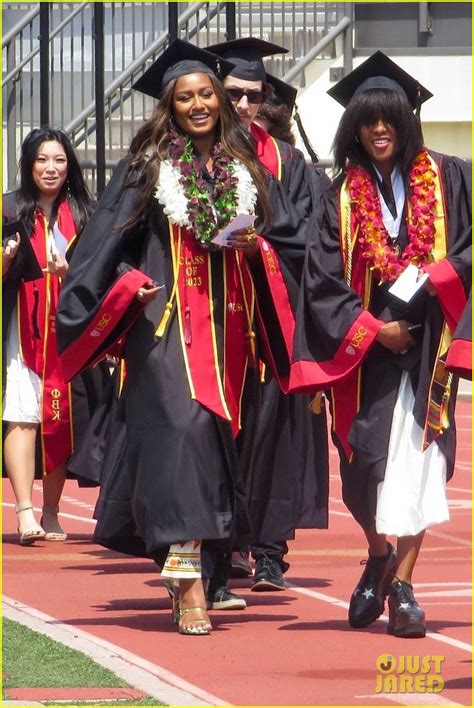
(385, 260)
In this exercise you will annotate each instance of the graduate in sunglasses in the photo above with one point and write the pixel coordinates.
(287, 482)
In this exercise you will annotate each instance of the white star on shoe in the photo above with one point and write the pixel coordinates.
(368, 592)
(404, 606)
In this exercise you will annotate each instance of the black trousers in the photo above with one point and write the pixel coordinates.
(215, 562)
(275, 550)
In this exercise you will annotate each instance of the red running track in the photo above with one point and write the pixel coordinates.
(288, 648)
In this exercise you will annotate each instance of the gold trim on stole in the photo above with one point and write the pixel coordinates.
(214, 339)
(277, 150)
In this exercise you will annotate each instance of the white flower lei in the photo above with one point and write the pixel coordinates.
(170, 192)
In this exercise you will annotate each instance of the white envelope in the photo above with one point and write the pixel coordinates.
(408, 283)
(241, 221)
(59, 243)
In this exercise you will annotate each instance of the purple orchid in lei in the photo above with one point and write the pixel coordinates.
(203, 206)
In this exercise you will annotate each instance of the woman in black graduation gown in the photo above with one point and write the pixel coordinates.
(147, 279)
(43, 416)
(395, 203)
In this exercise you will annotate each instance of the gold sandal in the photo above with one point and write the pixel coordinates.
(28, 537)
(173, 592)
(197, 627)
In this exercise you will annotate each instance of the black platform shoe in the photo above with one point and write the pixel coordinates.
(368, 599)
(405, 616)
(268, 576)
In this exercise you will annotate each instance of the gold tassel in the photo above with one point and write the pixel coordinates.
(160, 330)
(315, 405)
(122, 371)
(252, 349)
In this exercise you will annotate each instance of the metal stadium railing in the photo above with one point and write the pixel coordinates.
(73, 64)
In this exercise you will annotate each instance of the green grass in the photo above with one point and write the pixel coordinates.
(32, 660)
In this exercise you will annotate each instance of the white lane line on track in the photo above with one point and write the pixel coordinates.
(341, 513)
(444, 584)
(71, 500)
(340, 603)
(437, 534)
(61, 513)
(459, 592)
(445, 604)
(410, 699)
(456, 507)
(150, 678)
(449, 537)
(78, 502)
(459, 504)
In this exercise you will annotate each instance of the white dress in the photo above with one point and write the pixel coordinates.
(412, 495)
(22, 399)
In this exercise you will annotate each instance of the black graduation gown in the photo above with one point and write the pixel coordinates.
(174, 471)
(86, 388)
(288, 482)
(335, 335)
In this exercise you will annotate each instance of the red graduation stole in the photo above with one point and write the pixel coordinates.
(215, 381)
(37, 303)
(269, 155)
(346, 394)
(267, 150)
(218, 389)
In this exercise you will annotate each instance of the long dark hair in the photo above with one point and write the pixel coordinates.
(279, 119)
(366, 109)
(150, 146)
(74, 188)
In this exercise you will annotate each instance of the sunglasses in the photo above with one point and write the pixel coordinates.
(253, 96)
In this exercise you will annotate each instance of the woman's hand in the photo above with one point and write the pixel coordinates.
(429, 287)
(147, 292)
(396, 337)
(112, 360)
(57, 266)
(9, 252)
(244, 240)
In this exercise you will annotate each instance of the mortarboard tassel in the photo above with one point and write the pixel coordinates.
(418, 103)
(188, 337)
(160, 330)
(252, 349)
(311, 151)
(315, 405)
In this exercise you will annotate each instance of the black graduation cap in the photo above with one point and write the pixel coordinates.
(179, 59)
(378, 71)
(284, 93)
(247, 53)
